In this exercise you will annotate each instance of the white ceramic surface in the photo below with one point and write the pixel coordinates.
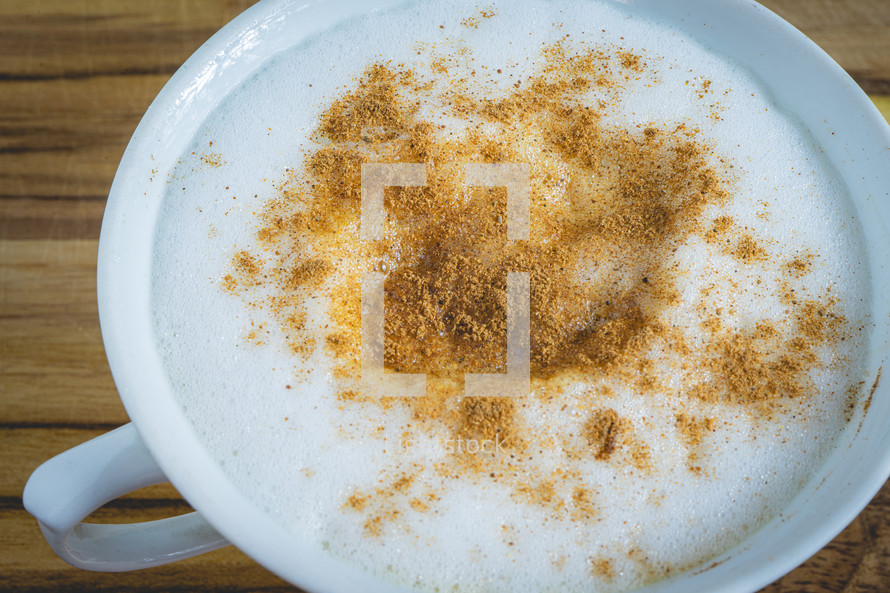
(855, 137)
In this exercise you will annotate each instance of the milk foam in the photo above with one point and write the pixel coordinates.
(288, 443)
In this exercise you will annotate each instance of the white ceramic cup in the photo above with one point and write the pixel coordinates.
(160, 445)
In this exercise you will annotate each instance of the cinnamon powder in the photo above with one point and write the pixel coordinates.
(609, 207)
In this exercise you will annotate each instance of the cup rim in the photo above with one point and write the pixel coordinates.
(124, 264)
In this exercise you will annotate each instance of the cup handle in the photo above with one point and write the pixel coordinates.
(67, 488)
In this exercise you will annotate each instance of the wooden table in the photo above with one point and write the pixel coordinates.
(75, 78)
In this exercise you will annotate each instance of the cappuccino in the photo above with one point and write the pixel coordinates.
(698, 297)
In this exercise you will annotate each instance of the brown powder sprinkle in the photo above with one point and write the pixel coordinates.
(606, 433)
(418, 505)
(246, 266)
(471, 22)
(541, 493)
(602, 567)
(748, 370)
(373, 112)
(799, 266)
(385, 504)
(718, 230)
(601, 431)
(631, 61)
(740, 245)
(871, 392)
(356, 502)
(610, 207)
(748, 250)
(445, 297)
(309, 273)
(583, 507)
(213, 159)
(492, 419)
(693, 431)
(818, 321)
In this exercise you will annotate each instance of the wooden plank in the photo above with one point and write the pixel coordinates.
(52, 360)
(28, 565)
(26, 217)
(75, 78)
(26, 448)
(33, 275)
(882, 102)
(67, 109)
(67, 136)
(853, 32)
(58, 38)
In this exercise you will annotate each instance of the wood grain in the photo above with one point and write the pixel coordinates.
(75, 78)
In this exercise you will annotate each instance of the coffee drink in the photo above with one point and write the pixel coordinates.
(698, 297)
